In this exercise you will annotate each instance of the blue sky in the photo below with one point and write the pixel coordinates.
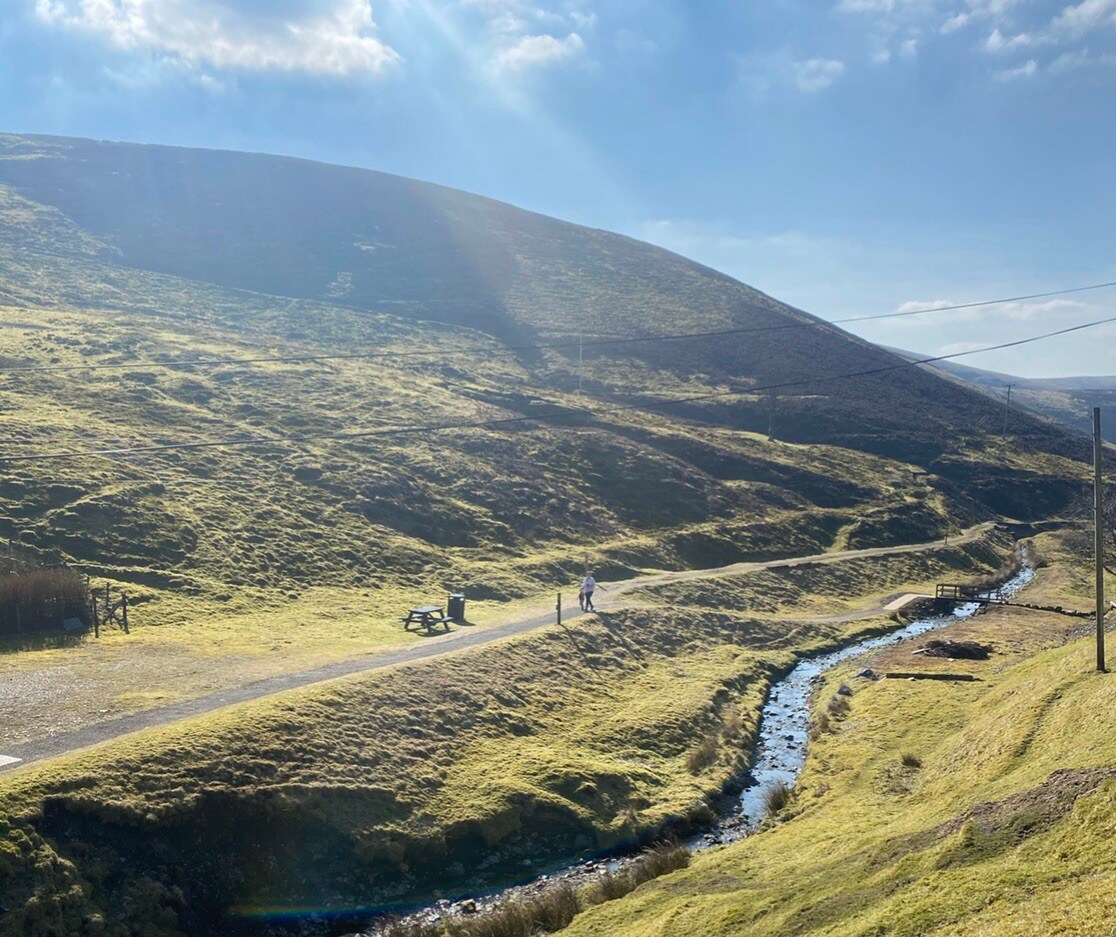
(848, 156)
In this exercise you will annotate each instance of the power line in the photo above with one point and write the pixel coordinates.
(505, 349)
(985, 302)
(535, 417)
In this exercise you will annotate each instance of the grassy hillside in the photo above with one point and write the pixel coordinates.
(115, 252)
(444, 775)
(931, 808)
(374, 242)
(255, 560)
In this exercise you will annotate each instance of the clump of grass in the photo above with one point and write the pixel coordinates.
(907, 760)
(819, 726)
(702, 756)
(553, 908)
(837, 706)
(40, 599)
(731, 723)
(776, 797)
(550, 910)
(656, 861)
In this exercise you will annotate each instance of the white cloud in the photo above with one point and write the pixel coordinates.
(997, 43)
(956, 22)
(1084, 17)
(321, 37)
(817, 74)
(1082, 58)
(538, 50)
(526, 34)
(908, 48)
(1026, 70)
(924, 305)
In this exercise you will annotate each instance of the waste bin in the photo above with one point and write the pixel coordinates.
(456, 607)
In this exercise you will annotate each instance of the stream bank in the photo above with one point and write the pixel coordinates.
(777, 759)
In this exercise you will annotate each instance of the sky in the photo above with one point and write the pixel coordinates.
(850, 157)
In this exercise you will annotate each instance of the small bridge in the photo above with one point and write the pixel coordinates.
(959, 593)
(948, 594)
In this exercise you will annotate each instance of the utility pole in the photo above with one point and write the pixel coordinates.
(1007, 409)
(1098, 531)
(580, 360)
(558, 608)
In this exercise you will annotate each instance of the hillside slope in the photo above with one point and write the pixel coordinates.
(375, 242)
(113, 253)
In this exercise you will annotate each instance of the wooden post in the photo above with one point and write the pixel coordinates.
(124, 608)
(1007, 409)
(558, 608)
(1098, 531)
(96, 617)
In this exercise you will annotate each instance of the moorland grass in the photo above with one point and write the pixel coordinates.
(562, 740)
(1003, 830)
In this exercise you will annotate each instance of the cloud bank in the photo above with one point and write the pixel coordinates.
(318, 37)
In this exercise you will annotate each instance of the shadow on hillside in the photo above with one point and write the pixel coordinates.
(41, 641)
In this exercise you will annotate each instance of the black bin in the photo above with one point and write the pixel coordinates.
(456, 607)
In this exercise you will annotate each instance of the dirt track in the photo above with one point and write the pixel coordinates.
(61, 743)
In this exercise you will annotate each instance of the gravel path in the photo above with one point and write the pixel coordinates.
(60, 743)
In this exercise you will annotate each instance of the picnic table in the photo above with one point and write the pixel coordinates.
(426, 616)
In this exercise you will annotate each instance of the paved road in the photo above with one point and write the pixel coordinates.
(62, 743)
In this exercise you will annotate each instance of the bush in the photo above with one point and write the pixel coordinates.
(907, 760)
(41, 599)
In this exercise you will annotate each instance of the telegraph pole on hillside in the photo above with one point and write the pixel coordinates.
(1007, 410)
(1098, 531)
(580, 362)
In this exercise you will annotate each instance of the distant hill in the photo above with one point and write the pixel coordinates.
(114, 252)
(1067, 400)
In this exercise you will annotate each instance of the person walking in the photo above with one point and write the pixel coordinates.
(588, 587)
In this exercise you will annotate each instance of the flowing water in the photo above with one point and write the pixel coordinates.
(784, 725)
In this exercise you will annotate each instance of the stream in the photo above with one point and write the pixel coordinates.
(779, 756)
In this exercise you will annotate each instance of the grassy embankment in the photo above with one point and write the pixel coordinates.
(440, 775)
(961, 808)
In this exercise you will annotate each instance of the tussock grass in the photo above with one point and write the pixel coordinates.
(908, 760)
(702, 756)
(653, 863)
(552, 909)
(39, 600)
(776, 797)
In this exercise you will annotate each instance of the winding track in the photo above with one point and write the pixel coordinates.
(64, 743)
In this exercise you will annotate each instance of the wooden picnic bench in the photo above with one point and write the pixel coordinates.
(426, 616)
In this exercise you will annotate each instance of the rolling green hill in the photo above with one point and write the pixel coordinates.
(112, 252)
